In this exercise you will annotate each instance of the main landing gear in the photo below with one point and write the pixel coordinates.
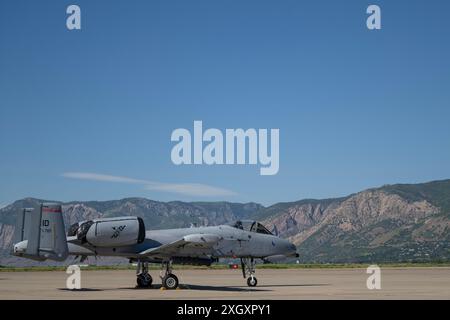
(248, 268)
(143, 278)
(169, 280)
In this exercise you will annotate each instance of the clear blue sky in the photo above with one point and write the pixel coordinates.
(355, 108)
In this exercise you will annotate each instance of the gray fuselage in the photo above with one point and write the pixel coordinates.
(233, 242)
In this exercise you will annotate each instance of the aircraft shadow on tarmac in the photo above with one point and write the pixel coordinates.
(203, 288)
(243, 289)
(158, 287)
(198, 287)
(230, 288)
(295, 285)
(80, 290)
(219, 288)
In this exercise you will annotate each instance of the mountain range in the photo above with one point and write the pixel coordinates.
(392, 223)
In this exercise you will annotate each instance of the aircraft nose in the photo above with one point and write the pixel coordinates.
(291, 249)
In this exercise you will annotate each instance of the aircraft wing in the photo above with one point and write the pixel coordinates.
(201, 242)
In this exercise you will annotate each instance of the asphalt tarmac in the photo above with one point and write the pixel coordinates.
(396, 283)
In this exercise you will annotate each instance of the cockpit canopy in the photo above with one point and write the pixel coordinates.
(251, 226)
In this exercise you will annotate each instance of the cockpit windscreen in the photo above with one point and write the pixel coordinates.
(251, 226)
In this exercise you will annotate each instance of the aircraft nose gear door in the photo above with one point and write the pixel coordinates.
(143, 278)
(248, 268)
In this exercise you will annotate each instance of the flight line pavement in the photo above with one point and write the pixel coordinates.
(396, 283)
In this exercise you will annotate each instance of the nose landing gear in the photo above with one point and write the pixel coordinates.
(248, 268)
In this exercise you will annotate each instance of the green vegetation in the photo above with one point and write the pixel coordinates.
(436, 192)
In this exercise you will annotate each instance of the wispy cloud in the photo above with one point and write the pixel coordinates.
(102, 177)
(188, 189)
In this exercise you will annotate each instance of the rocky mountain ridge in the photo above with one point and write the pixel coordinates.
(392, 223)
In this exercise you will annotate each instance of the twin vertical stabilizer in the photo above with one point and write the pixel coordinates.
(40, 234)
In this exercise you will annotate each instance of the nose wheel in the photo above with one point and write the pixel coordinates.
(252, 281)
(248, 269)
(143, 278)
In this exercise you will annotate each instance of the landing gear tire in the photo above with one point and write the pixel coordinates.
(252, 281)
(248, 269)
(144, 280)
(170, 281)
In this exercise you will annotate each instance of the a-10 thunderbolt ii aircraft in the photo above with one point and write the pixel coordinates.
(40, 235)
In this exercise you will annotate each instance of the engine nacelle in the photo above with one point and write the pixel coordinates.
(112, 232)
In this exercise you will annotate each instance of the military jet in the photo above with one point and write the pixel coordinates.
(40, 235)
